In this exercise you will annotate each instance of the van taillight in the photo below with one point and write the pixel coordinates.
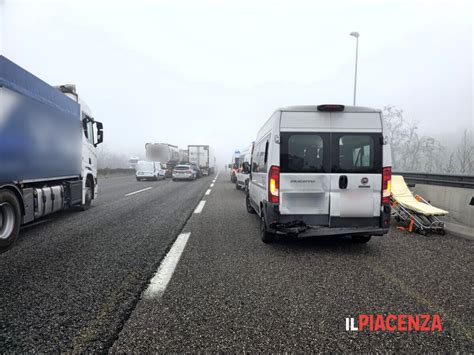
(386, 185)
(274, 184)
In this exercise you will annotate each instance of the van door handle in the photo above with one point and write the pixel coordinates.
(343, 182)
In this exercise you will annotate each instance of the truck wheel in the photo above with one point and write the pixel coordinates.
(248, 205)
(10, 219)
(85, 206)
(360, 238)
(265, 235)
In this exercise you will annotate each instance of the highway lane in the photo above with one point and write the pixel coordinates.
(230, 292)
(70, 282)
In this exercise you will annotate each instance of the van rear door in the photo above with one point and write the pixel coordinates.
(356, 169)
(304, 164)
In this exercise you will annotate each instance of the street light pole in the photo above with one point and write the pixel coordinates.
(356, 35)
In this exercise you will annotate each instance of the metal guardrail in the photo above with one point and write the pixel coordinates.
(465, 181)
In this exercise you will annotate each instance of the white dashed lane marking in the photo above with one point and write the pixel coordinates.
(158, 283)
(208, 192)
(136, 192)
(199, 207)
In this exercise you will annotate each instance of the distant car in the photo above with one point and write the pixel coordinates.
(243, 171)
(196, 168)
(234, 166)
(149, 170)
(184, 172)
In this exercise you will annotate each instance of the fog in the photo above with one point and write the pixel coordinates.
(212, 73)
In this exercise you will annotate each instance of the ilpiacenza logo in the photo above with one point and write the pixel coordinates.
(395, 323)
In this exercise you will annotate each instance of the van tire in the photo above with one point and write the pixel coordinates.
(11, 219)
(360, 239)
(248, 205)
(237, 186)
(265, 235)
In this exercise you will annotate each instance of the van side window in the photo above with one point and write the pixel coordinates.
(303, 152)
(356, 152)
(259, 163)
(266, 154)
(255, 157)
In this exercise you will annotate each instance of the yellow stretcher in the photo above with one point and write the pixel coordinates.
(419, 215)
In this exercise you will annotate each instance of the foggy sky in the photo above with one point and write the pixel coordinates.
(212, 73)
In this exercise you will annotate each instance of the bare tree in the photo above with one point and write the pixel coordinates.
(465, 154)
(410, 150)
(451, 165)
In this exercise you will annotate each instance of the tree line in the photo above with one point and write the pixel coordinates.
(416, 152)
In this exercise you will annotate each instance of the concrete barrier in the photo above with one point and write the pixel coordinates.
(458, 201)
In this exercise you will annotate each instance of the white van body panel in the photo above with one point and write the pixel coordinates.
(305, 121)
(304, 196)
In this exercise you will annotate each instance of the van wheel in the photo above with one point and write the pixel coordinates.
(361, 238)
(237, 186)
(10, 219)
(265, 235)
(248, 205)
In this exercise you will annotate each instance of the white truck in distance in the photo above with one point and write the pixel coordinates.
(203, 157)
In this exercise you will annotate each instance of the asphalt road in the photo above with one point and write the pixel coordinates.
(232, 293)
(71, 280)
(76, 282)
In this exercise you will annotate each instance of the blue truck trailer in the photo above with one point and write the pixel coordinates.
(48, 156)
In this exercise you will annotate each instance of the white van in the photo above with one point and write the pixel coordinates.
(234, 165)
(242, 173)
(321, 170)
(150, 170)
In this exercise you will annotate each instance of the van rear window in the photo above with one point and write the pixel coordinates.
(317, 152)
(303, 152)
(353, 153)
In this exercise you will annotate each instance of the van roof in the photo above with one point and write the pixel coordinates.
(314, 108)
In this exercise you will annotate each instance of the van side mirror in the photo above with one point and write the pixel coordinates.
(100, 133)
(246, 168)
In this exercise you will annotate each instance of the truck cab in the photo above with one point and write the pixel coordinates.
(92, 136)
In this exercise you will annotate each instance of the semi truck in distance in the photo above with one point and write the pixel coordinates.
(163, 152)
(203, 157)
(48, 155)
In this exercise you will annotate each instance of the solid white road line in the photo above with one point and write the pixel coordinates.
(199, 207)
(136, 192)
(158, 283)
(208, 192)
